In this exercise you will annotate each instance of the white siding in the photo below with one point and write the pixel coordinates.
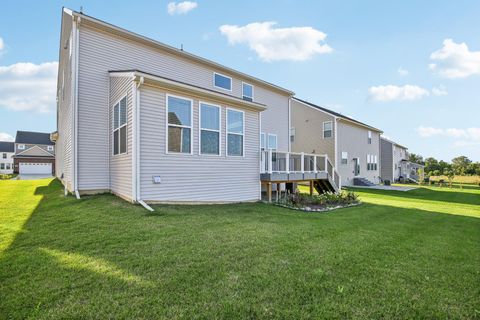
(352, 138)
(194, 178)
(64, 144)
(101, 52)
(121, 164)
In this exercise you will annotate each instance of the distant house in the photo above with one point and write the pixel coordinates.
(395, 164)
(353, 145)
(34, 153)
(7, 150)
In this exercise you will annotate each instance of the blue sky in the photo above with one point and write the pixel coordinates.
(387, 63)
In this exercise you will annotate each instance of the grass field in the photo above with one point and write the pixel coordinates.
(399, 255)
(459, 179)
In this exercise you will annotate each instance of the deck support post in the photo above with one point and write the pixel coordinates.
(269, 192)
(311, 187)
(278, 191)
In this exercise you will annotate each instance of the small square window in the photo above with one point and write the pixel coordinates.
(50, 148)
(221, 81)
(21, 147)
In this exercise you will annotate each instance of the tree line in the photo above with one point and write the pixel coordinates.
(459, 166)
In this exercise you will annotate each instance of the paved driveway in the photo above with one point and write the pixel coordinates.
(33, 176)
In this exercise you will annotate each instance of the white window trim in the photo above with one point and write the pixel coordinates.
(253, 90)
(50, 148)
(211, 130)
(268, 141)
(323, 131)
(113, 126)
(174, 125)
(239, 134)
(264, 140)
(21, 147)
(231, 81)
(342, 158)
(369, 138)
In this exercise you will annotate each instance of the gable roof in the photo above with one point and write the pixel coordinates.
(160, 45)
(393, 142)
(7, 146)
(336, 114)
(30, 137)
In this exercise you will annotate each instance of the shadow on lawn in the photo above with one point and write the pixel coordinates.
(99, 257)
(429, 194)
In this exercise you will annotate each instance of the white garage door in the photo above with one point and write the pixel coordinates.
(35, 168)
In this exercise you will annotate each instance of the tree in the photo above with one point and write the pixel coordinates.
(460, 165)
(415, 158)
(443, 167)
(450, 175)
(431, 164)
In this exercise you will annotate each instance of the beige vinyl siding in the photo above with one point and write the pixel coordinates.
(353, 139)
(308, 124)
(64, 143)
(101, 52)
(36, 151)
(121, 164)
(194, 178)
(28, 146)
(386, 160)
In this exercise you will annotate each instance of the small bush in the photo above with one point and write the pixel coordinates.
(325, 200)
(7, 176)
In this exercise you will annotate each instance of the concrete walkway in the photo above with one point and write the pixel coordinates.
(382, 187)
(32, 176)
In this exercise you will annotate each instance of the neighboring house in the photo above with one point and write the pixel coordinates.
(354, 146)
(34, 153)
(394, 163)
(150, 122)
(7, 150)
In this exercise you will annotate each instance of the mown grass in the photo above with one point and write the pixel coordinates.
(399, 255)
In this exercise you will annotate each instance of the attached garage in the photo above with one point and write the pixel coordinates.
(35, 168)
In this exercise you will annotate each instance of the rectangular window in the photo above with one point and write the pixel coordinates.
(235, 132)
(21, 147)
(369, 137)
(292, 134)
(4, 156)
(327, 129)
(50, 148)
(120, 127)
(375, 163)
(344, 157)
(209, 129)
(7, 166)
(2, 166)
(179, 112)
(221, 81)
(262, 141)
(247, 91)
(272, 141)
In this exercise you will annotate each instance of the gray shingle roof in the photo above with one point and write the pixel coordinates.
(33, 138)
(6, 146)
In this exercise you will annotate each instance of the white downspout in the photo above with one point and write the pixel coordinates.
(136, 148)
(75, 110)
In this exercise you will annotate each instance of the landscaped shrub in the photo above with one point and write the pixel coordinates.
(318, 202)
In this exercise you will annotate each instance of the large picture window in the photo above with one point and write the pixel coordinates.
(120, 127)
(209, 129)
(235, 132)
(179, 124)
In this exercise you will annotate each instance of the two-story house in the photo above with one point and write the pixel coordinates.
(34, 153)
(395, 164)
(153, 123)
(7, 150)
(353, 145)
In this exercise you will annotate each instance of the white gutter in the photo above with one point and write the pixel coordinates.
(136, 140)
(146, 206)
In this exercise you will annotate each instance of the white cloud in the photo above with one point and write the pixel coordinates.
(6, 137)
(439, 91)
(28, 86)
(391, 92)
(181, 7)
(468, 135)
(429, 131)
(275, 44)
(402, 72)
(455, 60)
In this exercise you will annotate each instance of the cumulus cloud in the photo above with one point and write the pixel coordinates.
(468, 136)
(391, 92)
(181, 7)
(27, 86)
(455, 60)
(6, 137)
(275, 44)
(402, 72)
(439, 91)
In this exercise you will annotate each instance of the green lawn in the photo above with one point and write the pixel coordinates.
(399, 255)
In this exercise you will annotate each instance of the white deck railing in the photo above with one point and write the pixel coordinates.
(295, 162)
